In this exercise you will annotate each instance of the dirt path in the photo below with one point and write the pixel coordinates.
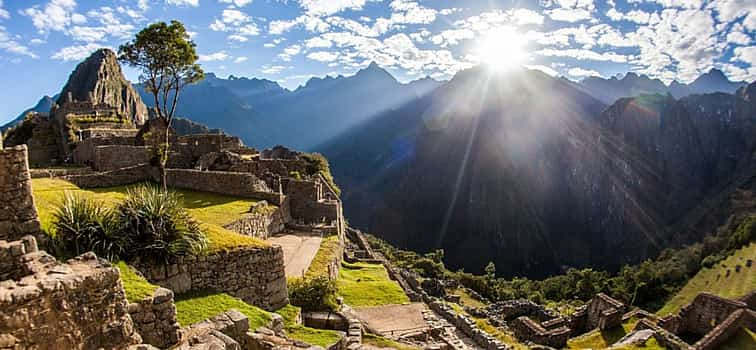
(299, 249)
(393, 320)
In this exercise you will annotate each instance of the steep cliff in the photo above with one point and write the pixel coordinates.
(101, 75)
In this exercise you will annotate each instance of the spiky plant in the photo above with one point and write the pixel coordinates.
(157, 226)
(83, 225)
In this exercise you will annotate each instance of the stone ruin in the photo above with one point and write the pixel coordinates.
(602, 312)
(711, 319)
(50, 305)
(18, 215)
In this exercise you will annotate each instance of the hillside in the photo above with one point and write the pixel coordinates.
(729, 278)
(529, 163)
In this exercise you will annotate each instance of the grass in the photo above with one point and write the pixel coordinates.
(466, 299)
(736, 285)
(136, 287)
(211, 210)
(381, 342)
(321, 337)
(329, 250)
(597, 339)
(363, 284)
(194, 307)
(743, 339)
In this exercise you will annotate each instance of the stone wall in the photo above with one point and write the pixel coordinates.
(253, 274)
(18, 215)
(77, 305)
(155, 319)
(221, 182)
(738, 320)
(119, 156)
(85, 151)
(700, 316)
(118, 177)
(603, 312)
(308, 204)
(262, 221)
(526, 329)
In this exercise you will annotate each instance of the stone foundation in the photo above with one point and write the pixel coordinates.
(253, 274)
(18, 215)
(262, 221)
(228, 183)
(49, 305)
(155, 319)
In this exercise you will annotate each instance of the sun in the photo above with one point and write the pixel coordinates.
(502, 48)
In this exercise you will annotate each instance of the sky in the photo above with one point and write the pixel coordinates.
(289, 41)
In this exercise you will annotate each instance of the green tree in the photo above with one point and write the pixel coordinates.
(166, 57)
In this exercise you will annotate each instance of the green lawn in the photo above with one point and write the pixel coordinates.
(212, 210)
(328, 251)
(136, 287)
(363, 284)
(597, 339)
(194, 307)
(736, 285)
(381, 342)
(321, 337)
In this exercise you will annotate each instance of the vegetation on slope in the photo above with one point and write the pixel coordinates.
(715, 280)
(647, 285)
(381, 342)
(136, 287)
(194, 307)
(211, 210)
(329, 250)
(321, 337)
(315, 291)
(743, 339)
(363, 284)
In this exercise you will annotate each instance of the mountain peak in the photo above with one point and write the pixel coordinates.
(99, 78)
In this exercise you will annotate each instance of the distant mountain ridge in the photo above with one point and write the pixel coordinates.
(43, 106)
(633, 84)
(265, 114)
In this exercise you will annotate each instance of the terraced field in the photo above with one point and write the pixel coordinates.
(716, 280)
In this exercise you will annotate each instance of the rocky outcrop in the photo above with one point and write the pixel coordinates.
(100, 77)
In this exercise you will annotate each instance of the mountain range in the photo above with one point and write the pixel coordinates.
(632, 84)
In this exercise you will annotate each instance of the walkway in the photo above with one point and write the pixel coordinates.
(299, 249)
(394, 320)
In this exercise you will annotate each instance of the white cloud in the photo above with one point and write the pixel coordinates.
(76, 52)
(269, 69)
(731, 10)
(9, 45)
(237, 23)
(452, 37)
(581, 54)
(739, 38)
(3, 13)
(56, 15)
(323, 56)
(193, 3)
(37, 41)
(545, 69)
(329, 7)
(311, 23)
(578, 72)
(238, 3)
(241, 59)
(317, 42)
(745, 54)
(571, 10)
(289, 52)
(496, 18)
(216, 56)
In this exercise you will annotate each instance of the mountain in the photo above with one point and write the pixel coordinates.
(532, 173)
(184, 126)
(512, 167)
(43, 106)
(632, 84)
(264, 114)
(99, 79)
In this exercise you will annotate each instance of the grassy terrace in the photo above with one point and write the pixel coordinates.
(736, 285)
(597, 339)
(328, 251)
(136, 287)
(363, 284)
(194, 307)
(321, 337)
(212, 210)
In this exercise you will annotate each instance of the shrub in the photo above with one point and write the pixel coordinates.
(157, 225)
(312, 294)
(83, 225)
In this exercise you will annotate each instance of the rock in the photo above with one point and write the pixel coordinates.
(635, 338)
(101, 75)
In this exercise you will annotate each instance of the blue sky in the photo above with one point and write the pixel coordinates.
(288, 41)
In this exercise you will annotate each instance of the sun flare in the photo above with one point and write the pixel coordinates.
(502, 48)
